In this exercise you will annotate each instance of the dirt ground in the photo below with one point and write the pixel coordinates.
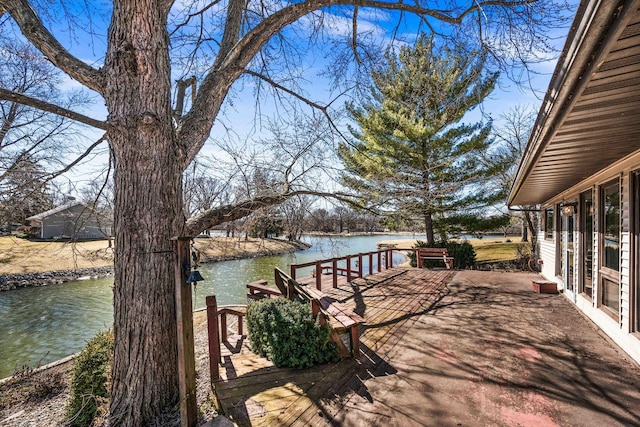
(20, 256)
(39, 399)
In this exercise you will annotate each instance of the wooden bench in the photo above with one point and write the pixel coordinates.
(259, 290)
(341, 319)
(436, 254)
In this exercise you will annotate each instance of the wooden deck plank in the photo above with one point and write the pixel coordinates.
(392, 334)
(317, 392)
(246, 385)
(271, 413)
(254, 392)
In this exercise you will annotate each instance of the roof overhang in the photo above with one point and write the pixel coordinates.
(590, 117)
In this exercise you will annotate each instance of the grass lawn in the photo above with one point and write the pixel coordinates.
(19, 256)
(23, 256)
(492, 249)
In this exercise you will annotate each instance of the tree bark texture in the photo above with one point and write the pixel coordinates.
(525, 231)
(529, 219)
(428, 225)
(148, 206)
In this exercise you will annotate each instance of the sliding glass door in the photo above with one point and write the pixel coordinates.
(609, 293)
(569, 221)
(586, 243)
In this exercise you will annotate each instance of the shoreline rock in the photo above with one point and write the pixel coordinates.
(9, 282)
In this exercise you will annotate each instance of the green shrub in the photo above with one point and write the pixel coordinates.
(90, 380)
(286, 333)
(464, 256)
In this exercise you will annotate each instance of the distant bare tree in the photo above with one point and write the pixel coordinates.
(98, 195)
(203, 191)
(293, 214)
(24, 192)
(513, 134)
(33, 143)
(319, 220)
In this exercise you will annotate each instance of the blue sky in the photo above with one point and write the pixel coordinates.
(241, 110)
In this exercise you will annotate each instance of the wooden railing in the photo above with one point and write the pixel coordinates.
(384, 258)
(218, 333)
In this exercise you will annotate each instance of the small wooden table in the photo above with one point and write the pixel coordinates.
(544, 287)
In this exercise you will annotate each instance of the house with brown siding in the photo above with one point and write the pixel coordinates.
(71, 221)
(582, 166)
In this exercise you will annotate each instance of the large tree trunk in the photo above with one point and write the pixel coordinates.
(428, 225)
(148, 214)
(531, 226)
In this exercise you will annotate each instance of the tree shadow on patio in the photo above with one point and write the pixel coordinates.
(508, 355)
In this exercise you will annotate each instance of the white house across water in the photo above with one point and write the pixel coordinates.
(71, 221)
(582, 166)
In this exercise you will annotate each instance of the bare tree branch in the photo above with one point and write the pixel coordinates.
(67, 168)
(197, 124)
(354, 34)
(182, 86)
(34, 30)
(88, 151)
(232, 212)
(231, 29)
(291, 92)
(322, 108)
(193, 15)
(36, 186)
(51, 108)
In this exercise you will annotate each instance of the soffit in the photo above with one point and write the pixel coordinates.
(597, 124)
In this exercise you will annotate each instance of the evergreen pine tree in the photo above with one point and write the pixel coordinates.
(412, 154)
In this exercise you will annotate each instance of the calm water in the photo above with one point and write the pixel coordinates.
(41, 325)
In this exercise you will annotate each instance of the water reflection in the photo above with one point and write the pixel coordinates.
(40, 325)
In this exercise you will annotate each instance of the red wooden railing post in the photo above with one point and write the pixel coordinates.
(370, 263)
(334, 267)
(223, 326)
(240, 325)
(315, 308)
(355, 342)
(215, 357)
(292, 270)
(348, 269)
(319, 275)
(359, 265)
(386, 259)
(379, 261)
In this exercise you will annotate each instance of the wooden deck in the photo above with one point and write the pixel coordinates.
(254, 392)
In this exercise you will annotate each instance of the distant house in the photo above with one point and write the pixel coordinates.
(582, 166)
(72, 221)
